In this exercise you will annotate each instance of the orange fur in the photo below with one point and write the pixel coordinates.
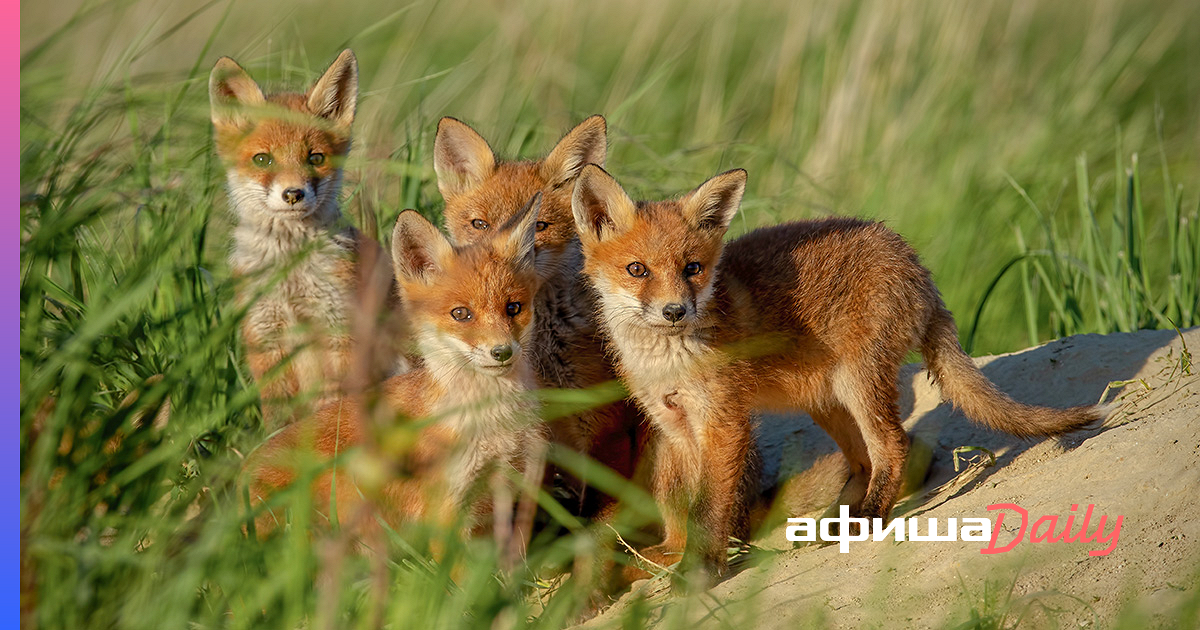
(814, 315)
(569, 350)
(283, 155)
(483, 419)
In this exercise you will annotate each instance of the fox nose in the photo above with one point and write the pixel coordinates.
(293, 195)
(502, 353)
(674, 312)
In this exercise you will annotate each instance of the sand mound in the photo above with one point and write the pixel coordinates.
(1142, 464)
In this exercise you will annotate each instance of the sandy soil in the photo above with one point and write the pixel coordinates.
(1143, 464)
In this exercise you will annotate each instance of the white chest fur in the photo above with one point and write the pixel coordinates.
(312, 262)
(667, 374)
(496, 419)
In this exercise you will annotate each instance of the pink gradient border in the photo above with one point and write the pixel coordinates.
(10, 589)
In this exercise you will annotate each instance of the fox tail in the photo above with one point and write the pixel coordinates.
(968, 389)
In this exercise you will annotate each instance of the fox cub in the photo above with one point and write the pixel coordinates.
(472, 317)
(283, 155)
(814, 315)
(568, 350)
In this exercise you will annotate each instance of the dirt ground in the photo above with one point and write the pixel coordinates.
(1142, 464)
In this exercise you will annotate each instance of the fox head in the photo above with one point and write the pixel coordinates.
(482, 193)
(470, 306)
(653, 264)
(283, 153)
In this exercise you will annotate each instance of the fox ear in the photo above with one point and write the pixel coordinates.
(461, 157)
(585, 144)
(230, 88)
(600, 205)
(520, 232)
(418, 248)
(334, 96)
(712, 205)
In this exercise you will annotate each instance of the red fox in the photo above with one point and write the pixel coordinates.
(568, 350)
(471, 312)
(814, 315)
(283, 155)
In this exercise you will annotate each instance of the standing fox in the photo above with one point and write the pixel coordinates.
(568, 349)
(814, 315)
(283, 155)
(471, 312)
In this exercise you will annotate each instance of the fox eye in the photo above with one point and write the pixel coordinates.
(461, 314)
(513, 309)
(692, 269)
(541, 226)
(316, 159)
(263, 160)
(479, 224)
(637, 270)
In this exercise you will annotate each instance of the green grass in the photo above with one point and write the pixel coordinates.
(1042, 158)
(1115, 278)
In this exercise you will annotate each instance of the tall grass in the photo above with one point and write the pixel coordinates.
(912, 112)
(1106, 272)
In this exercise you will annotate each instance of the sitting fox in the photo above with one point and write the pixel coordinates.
(568, 350)
(299, 261)
(470, 309)
(812, 315)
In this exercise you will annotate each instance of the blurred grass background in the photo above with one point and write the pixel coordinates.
(917, 113)
(1041, 154)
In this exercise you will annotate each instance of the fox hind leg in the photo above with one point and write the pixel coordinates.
(841, 426)
(869, 393)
